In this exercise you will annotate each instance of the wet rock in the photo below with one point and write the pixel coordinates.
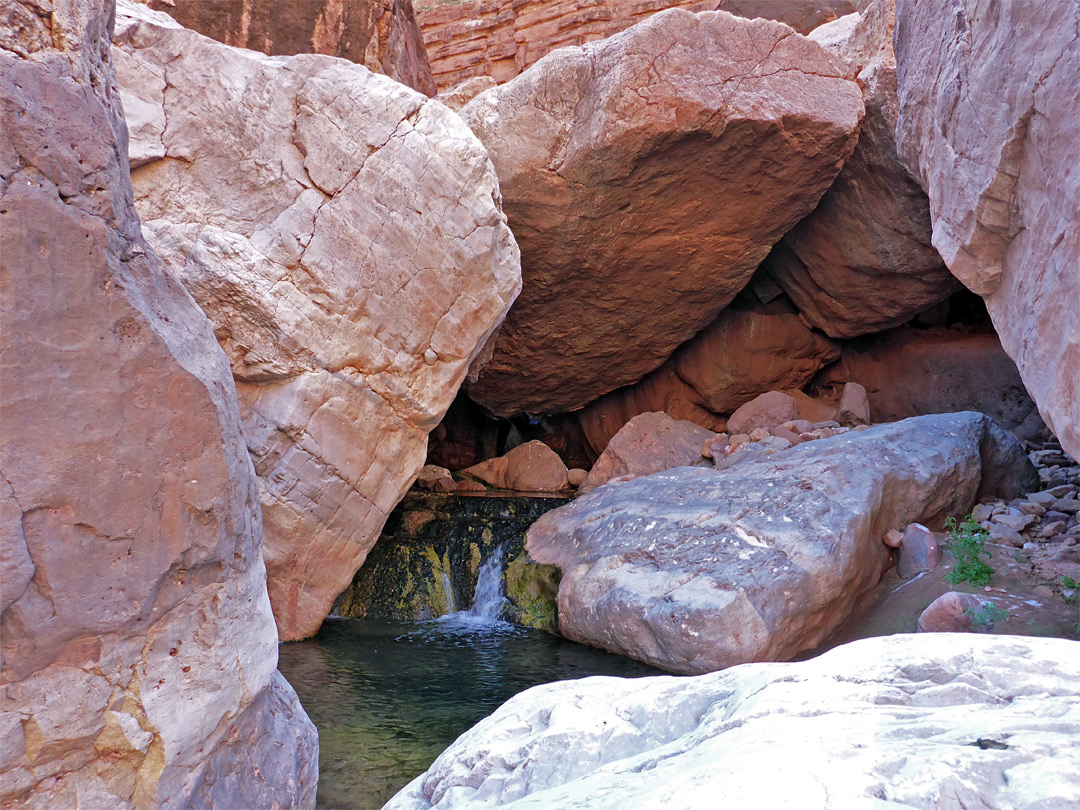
(139, 649)
(531, 467)
(698, 569)
(648, 443)
(765, 411)
(645, 177)
(1002, 706)
(919, 551)
(987, 123)
(345, 241)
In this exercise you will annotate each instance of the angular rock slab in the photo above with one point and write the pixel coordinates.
(343, 234)
(139, 649)
(694, 570)
(645, 177)
(949, 721)
(862, 260)
(988, 122)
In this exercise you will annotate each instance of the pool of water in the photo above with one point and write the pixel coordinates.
(388, 697)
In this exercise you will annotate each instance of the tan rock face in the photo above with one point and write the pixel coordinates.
(346, 242)
(381, 35)
(862, 260)
(500, 38)
(648, 443)
(645, 177)
(531, 467)
(988, 121)
(139, 649)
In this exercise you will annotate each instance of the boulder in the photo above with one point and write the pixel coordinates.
(530, 467)
(768, 410)
(645, 177)
(435, 478)
(862, 260)
(646, 444)
(950, 613)
(919, 551)
(867, 724)
(345, 240)
(694, 570)
(988, 121)
(463, 92)
(139, 649)
(914, 372)
(854, 408)
(381, 35)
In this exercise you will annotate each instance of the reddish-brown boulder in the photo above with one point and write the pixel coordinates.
(346, 242)
(139, 649)
(531, 467)
(381, 35)
(768, 410)
(951, 612)
(989, 115)
(645, 178)
(648, 443)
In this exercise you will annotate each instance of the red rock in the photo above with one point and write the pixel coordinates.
(768, 410)
(637, 224)
(788, 435)
(647, 443)
(576, 476)
(950, 613)
(531, 467)
(988, 121)
(811, 409)
(893, 538)
(434, 477)
(854, 406)
(381, 35)
(139, 649)
(919, 551)
(462, 93)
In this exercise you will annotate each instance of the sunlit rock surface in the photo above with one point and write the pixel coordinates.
(949, 721)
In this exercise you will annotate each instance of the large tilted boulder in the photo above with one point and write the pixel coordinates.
(989, 116)
(862, 260)
(345, 239)
(648, 443)
(694, 570)
(948, 721)
(139, 649)
(645, 177)
(381, 35)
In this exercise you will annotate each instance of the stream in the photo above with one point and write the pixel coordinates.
(388, 697)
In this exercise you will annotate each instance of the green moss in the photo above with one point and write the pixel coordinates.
(533, 588)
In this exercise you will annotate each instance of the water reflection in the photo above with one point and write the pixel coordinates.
(388, 697)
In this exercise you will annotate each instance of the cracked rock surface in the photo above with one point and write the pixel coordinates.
(344, 236)
(645, 177)
(693, 569)
(949, 721)
(989, 115)
(139, 648)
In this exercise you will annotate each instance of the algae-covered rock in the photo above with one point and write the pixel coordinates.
(532, 589)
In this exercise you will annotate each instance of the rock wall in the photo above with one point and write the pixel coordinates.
(343, 234)
(500, 38)
(139, 648)
(989, 115)
(381, 35)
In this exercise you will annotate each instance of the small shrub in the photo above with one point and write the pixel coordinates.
(986, 616)
(1069, 588)
(966, 545)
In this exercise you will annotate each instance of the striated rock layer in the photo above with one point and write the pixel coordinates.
(139, 649)
(694, 570)
(345, 239)
(949, 721)
(645, 178)
(500, 38)
(381, 35)
(989, 115)
(862, 260)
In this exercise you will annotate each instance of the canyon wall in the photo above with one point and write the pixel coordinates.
(139, 649)
(500, 38)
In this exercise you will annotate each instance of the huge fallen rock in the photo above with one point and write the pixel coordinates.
(381, 35)
(645, 177)
(345, 239)
(139, 649)
(862, 260)
(694, 570)
(949, 721)
(988, 120)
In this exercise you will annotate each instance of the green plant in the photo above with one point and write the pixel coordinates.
(967, 546)
(986, 616)
(1069, 588)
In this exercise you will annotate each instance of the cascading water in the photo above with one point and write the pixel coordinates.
(488, 600)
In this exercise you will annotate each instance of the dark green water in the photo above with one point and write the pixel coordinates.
(388, 697)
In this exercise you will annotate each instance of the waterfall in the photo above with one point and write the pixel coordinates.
(488, 599)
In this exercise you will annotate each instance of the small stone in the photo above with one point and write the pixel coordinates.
(430, 357)
(1003, 535)
(737, 441)
(893, 538)
(774, 443)
(798, 426)
(1015, 522)
(981, 513)
(1070, 507)
(1032, 509)
(758, 434)
(861, 427)
(919, 551)
(575, 476)
(1051, 529)
(1042, 498)
(807, 437)
(469, 485)
(436, 478)
(1030, 546)
(789, 435)
(854, 406)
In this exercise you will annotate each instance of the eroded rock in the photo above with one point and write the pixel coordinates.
(645, 177)
(139, 649)
(1004, 708)
(693, 570)
(346, 242)
(531, 467)
(648, 443)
